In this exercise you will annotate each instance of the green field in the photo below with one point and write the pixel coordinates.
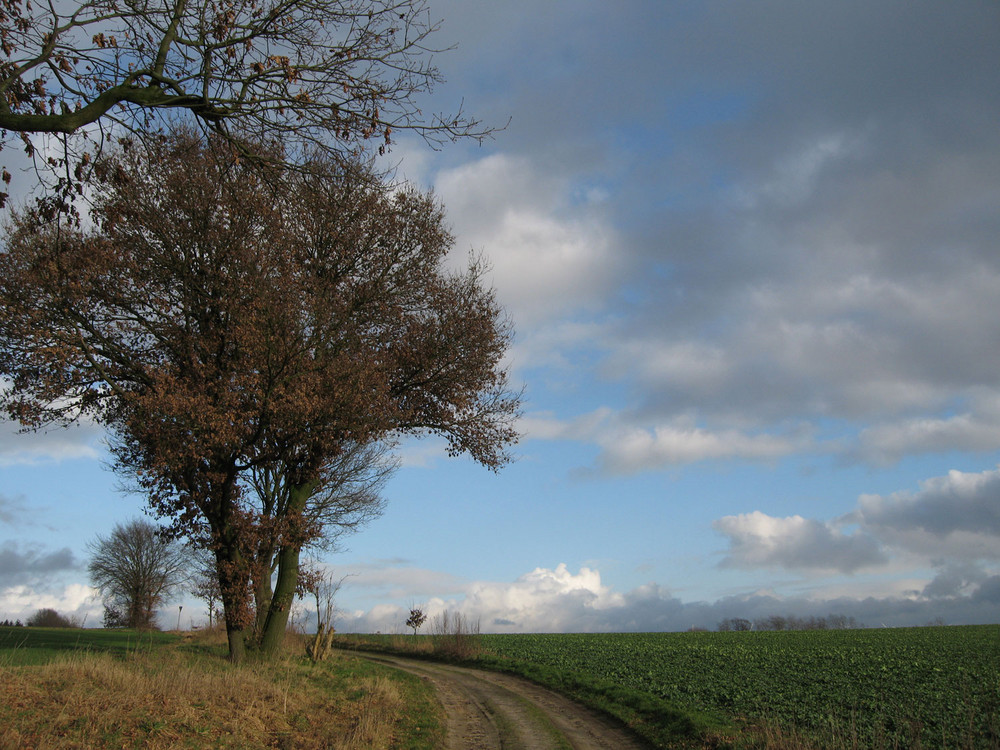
(19, 646)
(934, 687)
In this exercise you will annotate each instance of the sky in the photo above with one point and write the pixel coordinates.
(750, 252)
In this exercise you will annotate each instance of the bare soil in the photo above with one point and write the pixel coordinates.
(488, 711)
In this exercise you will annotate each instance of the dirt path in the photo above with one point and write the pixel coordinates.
(489, 711)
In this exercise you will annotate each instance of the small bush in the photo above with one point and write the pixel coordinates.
(49, 618)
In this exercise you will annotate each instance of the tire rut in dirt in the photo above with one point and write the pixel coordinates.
(493, 711)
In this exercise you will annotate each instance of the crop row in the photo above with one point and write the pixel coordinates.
(936, 687)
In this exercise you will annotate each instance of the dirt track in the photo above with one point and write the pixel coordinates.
(488, 711)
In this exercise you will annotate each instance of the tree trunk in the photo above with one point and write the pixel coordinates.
(281, 601)
(262, 592)
(288, 576)
(237, 643)
(234, 604)
(233, 571)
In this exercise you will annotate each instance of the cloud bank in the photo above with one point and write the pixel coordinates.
(798, 229)
(556, 600)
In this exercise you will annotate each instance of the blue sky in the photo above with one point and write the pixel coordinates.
(750, 250)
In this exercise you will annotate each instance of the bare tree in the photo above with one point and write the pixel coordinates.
(205, 584)
(347, 495)
(323, 586)
(136, 570)
(332, 74)
(738, 624)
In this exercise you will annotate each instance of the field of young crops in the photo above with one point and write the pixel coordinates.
(935, 687)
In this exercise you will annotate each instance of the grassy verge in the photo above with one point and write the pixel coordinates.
(86, 688)
(655, 720)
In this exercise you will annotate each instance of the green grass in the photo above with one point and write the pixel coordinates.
(20, 646)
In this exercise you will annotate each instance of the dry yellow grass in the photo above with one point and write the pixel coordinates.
(374, 720)
(171, 698)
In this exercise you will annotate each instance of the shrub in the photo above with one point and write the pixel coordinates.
(49, 618)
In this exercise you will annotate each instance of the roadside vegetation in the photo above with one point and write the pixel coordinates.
(125, 688)
(933, 687)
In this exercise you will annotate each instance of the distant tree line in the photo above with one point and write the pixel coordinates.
(9, 624)
(789, 622)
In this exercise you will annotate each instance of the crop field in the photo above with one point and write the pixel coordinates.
(21, 646)
(933, 687)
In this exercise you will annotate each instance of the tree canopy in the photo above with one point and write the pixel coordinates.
(222, 321)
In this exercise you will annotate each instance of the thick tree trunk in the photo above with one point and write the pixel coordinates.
(281, 601)
(234, 604)
(276, 623)
(233, 570)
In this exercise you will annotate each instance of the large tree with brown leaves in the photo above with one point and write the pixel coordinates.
(222, 321)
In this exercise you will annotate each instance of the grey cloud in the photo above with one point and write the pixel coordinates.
(814, 201)
(988, 594)
(958, 502)
(956, 579)
(17, 566)
(11, 509)
(757, 540)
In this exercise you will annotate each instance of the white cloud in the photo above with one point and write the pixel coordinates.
(542, 600)
(54, 444)
(549, 257)
(691, 365)
(632, 448)
(637, 449)
(550, 600)
(952, 521)
(75, 599)
(757, 540)
(546, 426)
(396, 579)
(421, 451)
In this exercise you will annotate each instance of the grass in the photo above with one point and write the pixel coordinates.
(91, 688)
(24, 646)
